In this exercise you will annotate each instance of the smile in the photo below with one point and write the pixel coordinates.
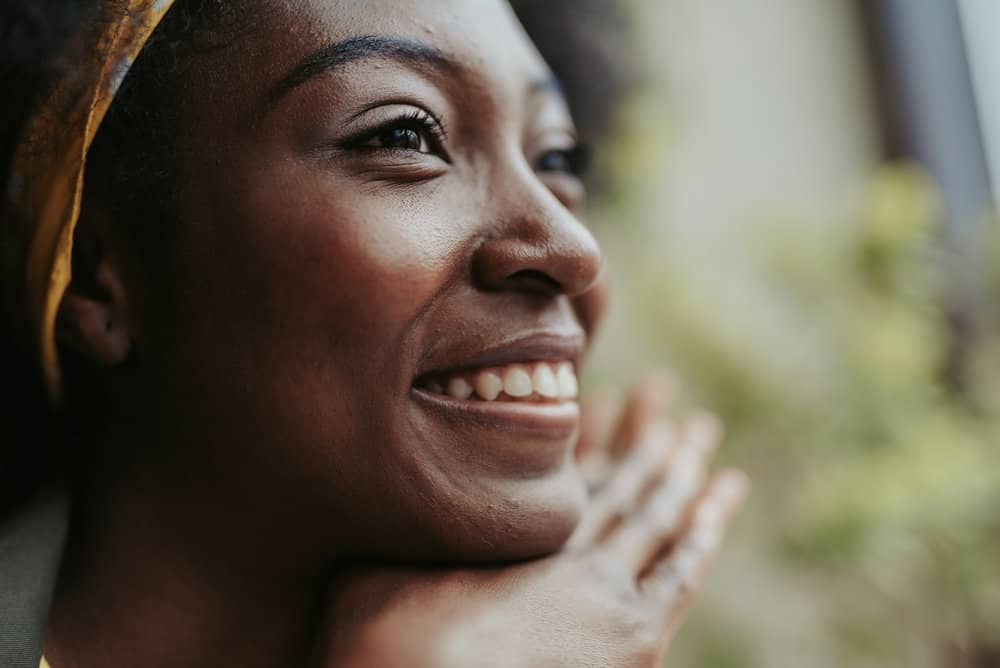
(534, 382)
(526, 384)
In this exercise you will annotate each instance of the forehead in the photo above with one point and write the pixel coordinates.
(466, 25)
(483, 36)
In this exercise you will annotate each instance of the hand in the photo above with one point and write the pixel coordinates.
(613, 598)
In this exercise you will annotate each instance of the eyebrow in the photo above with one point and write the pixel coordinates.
(406, 51)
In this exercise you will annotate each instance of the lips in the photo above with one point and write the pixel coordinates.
(528, 381)
(539, 366)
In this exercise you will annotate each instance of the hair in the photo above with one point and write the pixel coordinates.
(130, 166)
(587, 45)
(31, 33)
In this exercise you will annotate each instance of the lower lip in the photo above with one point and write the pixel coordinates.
(553, 420)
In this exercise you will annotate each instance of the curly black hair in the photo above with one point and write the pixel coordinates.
(584, 42)
(587, 44)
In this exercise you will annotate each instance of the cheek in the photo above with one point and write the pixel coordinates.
(319, 265)
(289, 332)
(355, 264)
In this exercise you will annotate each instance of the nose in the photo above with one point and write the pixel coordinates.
(537, 246)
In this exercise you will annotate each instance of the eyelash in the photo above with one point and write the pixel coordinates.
(416, 120)
(577, 158)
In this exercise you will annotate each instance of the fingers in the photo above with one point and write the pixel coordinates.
(676, 578)
(609, 432)
(649, 403)
(597, 423)
(644, 534)
(599, 416)
(642, 468)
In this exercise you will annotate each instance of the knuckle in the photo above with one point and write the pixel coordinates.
(647, 640)
(606, 569)
(615, 584)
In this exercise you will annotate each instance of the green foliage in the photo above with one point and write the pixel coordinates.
(876, 459)
(907, 498)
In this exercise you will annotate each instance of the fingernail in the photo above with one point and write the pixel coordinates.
(657, 432)
(662, 383)
(705, 537)
(709, 514)
(610, 398)
(733, 487)
(704, 429)
(685, 564)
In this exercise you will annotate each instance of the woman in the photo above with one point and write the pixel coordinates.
(329, 291)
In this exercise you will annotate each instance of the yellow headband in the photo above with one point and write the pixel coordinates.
(46, 178)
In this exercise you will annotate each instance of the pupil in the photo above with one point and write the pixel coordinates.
(402, 138)
(554, 161)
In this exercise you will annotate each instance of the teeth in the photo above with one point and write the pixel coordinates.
(540, 381)
(517, 382)
(488, 385)
(459, 388)
(545, 382)
(566, 380)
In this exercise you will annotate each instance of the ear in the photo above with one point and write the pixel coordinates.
(94, 318)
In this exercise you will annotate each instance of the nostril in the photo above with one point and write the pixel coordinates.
(533, 278)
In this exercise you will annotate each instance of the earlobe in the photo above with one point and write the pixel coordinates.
(93, 319)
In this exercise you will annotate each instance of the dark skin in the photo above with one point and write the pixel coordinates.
(355, 216)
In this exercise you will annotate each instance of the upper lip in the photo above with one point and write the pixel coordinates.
(538, 346)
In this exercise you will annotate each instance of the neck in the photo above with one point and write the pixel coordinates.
(152, 579)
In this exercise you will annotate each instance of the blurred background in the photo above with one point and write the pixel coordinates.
(795, 197)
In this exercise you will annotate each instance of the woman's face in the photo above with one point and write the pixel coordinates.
(376, 204)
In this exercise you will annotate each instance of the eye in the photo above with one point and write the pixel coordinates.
(416, 132)
(574, 161)
(401, 138)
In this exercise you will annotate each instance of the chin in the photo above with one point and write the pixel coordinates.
(535, 521)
